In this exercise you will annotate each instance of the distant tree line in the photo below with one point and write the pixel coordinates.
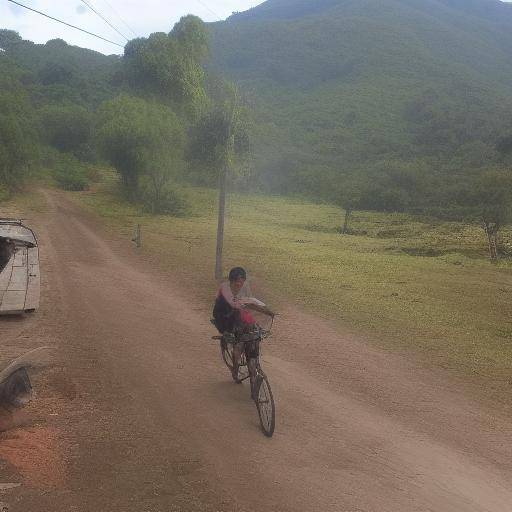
(159, 117)
(154, 114)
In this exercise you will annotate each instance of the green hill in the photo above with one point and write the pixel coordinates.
(342, 87)
(56, 72)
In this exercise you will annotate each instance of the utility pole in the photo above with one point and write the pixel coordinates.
(232, 115)
(220, 222)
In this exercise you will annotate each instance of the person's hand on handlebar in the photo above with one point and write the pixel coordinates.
(261, 309)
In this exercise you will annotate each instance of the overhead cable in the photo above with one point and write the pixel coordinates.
(103, 18)
(65, 23)
(208, 8)
(121, 19)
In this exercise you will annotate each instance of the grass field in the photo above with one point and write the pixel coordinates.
(451, 308)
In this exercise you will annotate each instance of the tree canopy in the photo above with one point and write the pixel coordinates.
(142, 140)
(171, 65)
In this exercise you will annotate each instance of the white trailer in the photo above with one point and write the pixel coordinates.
(19, 268)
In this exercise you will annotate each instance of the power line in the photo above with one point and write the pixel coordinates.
(65, 23)
(211, 10)
(103, 18)
(121, 19)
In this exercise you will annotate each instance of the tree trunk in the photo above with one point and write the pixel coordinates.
(220, 223)
(348, 213)
(492, 236)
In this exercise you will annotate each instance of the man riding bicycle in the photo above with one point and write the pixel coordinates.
(231, 314)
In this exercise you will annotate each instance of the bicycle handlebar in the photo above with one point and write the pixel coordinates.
(258, 335)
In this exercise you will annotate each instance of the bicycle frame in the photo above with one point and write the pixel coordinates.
(261, 392)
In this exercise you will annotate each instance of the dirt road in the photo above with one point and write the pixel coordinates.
(140, 414)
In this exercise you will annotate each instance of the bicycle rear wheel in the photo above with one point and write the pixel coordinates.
(265, 404)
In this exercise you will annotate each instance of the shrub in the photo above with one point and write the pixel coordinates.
(168, 201)
(4, 193)
(70, 174)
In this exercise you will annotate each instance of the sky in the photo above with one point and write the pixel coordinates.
(130, 17)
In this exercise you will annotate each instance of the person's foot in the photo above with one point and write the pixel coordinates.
(234, 374)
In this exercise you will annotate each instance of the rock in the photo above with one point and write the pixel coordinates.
(15, 390)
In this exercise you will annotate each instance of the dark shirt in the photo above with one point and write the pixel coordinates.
(225, 316)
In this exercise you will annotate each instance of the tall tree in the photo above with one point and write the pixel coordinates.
(171, 65)
(219, 144)
(142, 140)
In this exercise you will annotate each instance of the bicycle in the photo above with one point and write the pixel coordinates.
(261, 391)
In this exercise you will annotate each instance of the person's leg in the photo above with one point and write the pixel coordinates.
(251, 365)
(237, 352)
(252, 353)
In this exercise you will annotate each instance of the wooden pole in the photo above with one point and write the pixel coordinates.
(491, 240)
(138, 236)
(220, 223)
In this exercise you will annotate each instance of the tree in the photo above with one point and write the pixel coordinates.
(56, 73)
(492, 197)
(17, 135)
(219, 144)
(171, 65)
(349, 199)
(191, 34)
(142, 139)
(9, 39)
(66, 127)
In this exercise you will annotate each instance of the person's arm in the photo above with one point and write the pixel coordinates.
(226, 292)
(261, 309)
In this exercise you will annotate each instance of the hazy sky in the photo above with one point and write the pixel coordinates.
(142, 16)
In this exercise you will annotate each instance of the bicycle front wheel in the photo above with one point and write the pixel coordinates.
(265, 404)
(226, 350)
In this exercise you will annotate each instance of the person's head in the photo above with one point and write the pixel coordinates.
(237, 277)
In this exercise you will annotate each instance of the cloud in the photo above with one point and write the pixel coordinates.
(15, 10)
(81, 9)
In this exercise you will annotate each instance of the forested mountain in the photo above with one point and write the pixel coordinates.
(65, 110)
(373, 104)
(374, 88)
(59, 72)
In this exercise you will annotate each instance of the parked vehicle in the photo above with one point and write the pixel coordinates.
(19, 268)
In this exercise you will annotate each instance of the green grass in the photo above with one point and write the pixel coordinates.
(453, 310)
(23, 205)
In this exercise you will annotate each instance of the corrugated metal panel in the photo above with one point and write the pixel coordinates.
(5, 277)
(17, 232)
(20, 279)
(13, 301)
(34, 280)
(20, 257)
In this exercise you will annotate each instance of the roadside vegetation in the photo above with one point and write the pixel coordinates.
(410, 284)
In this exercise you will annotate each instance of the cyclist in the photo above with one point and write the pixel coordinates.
(231, 315)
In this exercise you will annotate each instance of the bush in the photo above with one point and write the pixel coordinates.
(4, 193)
(168, 200)
(70, 174)
(93, 175)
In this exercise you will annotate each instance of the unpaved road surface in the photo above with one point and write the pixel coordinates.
(139, 413)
